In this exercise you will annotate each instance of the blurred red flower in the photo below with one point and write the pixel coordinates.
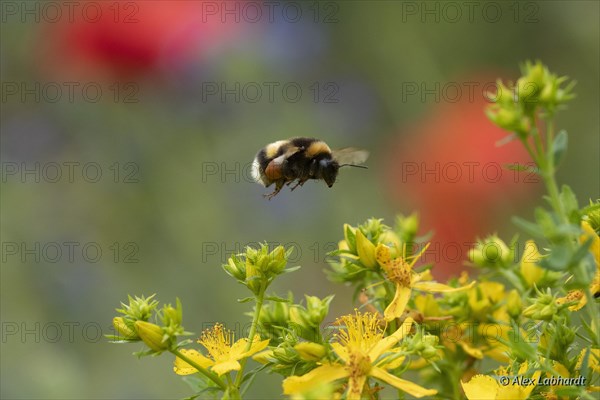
(450, 169)
(121, 40)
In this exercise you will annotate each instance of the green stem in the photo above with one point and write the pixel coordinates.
(591, 310)
(260, 297)
(513, 279)
(531, 152)
(389, 297)
(234, 393)
(537, 138)
(210, 375)
(548, 170)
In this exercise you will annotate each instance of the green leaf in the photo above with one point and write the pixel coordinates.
(558, 259)
(277, 299)
(118, 339)
(506, 140)
(559, 147)
(291, 269)
(570, 392)
(204, 387)
(350, 239)
(545, 221)
(569, 201)
(522, 168)
(248, 378)
(245, 300)
(529, 227)
(582, 251)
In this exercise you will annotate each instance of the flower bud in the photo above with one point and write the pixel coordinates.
(171, 318)
(296, 316)
(373, 227)
(317, 309)
(343, 245)
(543, 308)
(124, 330)
(264, 357)
(407, 227)
(139, 308)
(503, 96)
(509, 118)
(514, 304)
(537, 74)
(277, 260)
(429, 349)
(527, 90)
(491, 252)
(350, 238)
(549, 92)
(253, 277)
(475, 256)
(310, 351)
(152, 335)
(391, 239)
(530, 270)
(275, 313)
(235, 268)
(366, 250)
(285, 355)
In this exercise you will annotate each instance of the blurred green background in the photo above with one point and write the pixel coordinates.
(165, 107)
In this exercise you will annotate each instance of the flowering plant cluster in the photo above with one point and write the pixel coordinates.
(526, 325)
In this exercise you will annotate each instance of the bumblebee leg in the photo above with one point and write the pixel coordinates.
(278, 187)
(299, 183)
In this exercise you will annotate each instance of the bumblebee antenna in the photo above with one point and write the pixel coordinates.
(353, 165)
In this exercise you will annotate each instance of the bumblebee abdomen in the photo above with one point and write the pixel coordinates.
(263, 171)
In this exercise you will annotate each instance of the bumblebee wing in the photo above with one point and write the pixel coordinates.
(350, 155)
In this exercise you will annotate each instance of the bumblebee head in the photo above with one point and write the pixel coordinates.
(329, 170)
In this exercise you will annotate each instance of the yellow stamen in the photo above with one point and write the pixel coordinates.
(217, 341)
(361, 332)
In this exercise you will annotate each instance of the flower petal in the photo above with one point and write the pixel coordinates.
(225, 366)
(315, 378)
(398, 304)
(480, 387)
(392, 360)
(589, 232)
(387, 343)
(257, 345)
(529, 388)
(341, 351)
(355, 387)
(472, 351)
(411, 388)
(436, 287)
(237, 350)
(180, 367)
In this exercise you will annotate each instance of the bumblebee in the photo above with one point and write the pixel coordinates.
(300, 159)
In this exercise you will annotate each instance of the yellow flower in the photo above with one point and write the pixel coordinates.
(593, 360)
(578, 295)
(223, 356)
(402, 275)
(531, 271)
(483, 387)
(590, 232)
(360, 347)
